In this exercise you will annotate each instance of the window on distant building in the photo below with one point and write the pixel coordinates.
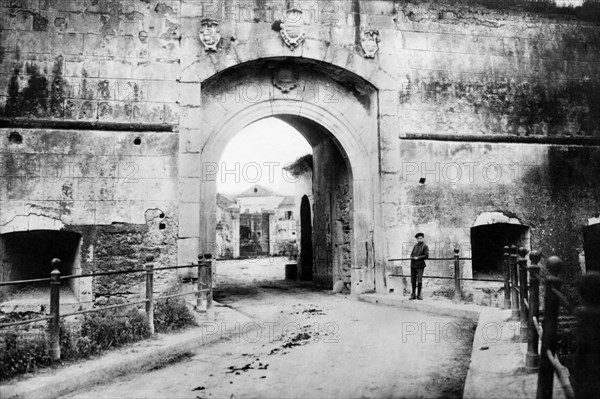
(288, 215)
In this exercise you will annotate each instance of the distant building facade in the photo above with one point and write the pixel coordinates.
(256, 222)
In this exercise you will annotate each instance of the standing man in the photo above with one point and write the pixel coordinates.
(418, 255)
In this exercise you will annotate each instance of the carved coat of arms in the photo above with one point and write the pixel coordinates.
(292, 28)
(369, 40)
(284, 79)
(209, 34)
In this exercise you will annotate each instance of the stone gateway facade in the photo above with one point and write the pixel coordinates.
(423, 116)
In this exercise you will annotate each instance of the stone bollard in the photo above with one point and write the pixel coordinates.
(585, 377)
(204, 298)
(514, 283)
(150, 292)
(55, 309)
(523, 293)
(532, 359)
(549, 337)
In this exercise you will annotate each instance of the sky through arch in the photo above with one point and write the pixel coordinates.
(258, 154)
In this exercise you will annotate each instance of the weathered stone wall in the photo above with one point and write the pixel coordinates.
(92, 70)
(76, 180)
(549, 188)
(478, 80)
(332, 224)
(478, 71)
(84, 177)
(463, 72)
(124, 246)
(90, 61)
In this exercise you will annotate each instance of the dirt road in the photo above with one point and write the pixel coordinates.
(308, 343)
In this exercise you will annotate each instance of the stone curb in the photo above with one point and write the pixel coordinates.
(432, 307)
(138, 357)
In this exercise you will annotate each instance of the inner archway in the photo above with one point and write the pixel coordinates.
(258, 202)
(334, 239)
(330, 222)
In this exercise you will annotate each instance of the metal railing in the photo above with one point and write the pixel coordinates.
(457, 272)
(203, 295)
(584, 383)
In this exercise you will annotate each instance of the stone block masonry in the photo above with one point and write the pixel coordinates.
(422, 116)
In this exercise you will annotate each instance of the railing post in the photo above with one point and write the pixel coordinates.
(552, 304)
(204, 299)
(586, 383)
(523, 293)
(507, 304)
(532, 359)
(514, 283)
(150, 292)
(55, 309)
(199, 295)
(457, 290)
(209, 280)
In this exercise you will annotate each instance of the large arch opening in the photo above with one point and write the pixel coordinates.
(336, 112)
(266, 218)
(258, 202)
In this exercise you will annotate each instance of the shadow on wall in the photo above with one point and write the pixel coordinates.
(560, 195)
(306, 249)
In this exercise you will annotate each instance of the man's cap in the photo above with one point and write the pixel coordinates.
(419, 235)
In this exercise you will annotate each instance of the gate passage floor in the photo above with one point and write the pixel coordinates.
(309, 343)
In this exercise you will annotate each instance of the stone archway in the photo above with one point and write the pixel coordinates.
(489, 234)
(361, 185)
(348, 124)
(336, 57)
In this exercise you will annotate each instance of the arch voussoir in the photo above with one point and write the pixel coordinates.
(317, 50)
